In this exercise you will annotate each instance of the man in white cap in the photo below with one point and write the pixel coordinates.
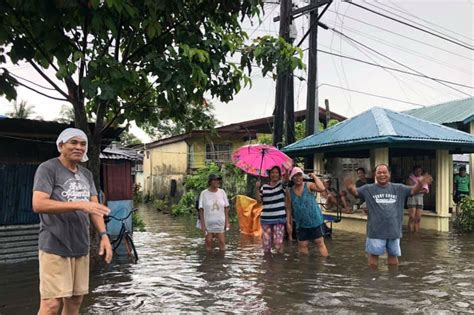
(65, 197)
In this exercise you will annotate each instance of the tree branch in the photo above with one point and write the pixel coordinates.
(117, 39)
(85, 31)
(101, 110)
(139, 49)
(56, 87)
(106, 48)
(30, 36)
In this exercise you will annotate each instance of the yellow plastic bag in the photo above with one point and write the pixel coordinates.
(248, 212)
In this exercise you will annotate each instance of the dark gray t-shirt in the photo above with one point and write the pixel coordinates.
(385, 209)
(64, 234)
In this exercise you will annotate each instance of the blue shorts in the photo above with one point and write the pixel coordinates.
(377, 247)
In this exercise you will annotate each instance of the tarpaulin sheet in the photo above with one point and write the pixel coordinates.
(248, 212)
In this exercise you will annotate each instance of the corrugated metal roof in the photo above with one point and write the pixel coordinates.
(119, 154)
(445, 113)
(379, 127)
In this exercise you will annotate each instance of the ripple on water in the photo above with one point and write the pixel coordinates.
(432, 279)
(462, 304)
(436, 293)
(176, 275)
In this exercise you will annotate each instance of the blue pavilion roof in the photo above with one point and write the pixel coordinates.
(379, 127)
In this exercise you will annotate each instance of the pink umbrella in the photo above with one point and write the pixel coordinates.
(257, 159)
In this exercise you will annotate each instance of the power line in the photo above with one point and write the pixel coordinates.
(410, 51)
(393, 60)
(370, 94)
(416, 23)
(36, 84)
(410, 25)
(263, 21)
(400, 9)
(400, 82)
(406, 37)
(393, 69)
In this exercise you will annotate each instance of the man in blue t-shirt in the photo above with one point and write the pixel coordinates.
(385, 202)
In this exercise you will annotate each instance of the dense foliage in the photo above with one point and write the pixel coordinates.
(233, 182)
(464, 220)
(143, 61)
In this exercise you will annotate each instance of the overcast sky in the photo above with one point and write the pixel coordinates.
(422, 52)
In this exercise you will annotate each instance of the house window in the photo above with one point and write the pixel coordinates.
(218, 152)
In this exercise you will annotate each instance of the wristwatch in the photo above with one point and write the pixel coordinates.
(102, 233)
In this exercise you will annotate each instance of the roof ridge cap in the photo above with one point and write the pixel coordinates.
(383, 123)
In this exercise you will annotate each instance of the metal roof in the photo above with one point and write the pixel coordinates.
(379, 127)
(120, 154)
(451, 112)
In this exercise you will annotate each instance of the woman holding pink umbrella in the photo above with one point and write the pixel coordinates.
(265, 160)
(275, 214)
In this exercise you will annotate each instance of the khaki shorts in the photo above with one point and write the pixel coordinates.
(63, 276)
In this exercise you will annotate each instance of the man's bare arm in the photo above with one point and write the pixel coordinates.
(43, 204)
(350, 187)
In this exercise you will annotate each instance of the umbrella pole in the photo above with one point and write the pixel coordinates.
(261, 164)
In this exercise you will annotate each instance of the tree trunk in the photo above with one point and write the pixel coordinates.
(94, 141)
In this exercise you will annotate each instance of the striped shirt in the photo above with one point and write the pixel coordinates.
(273, 200)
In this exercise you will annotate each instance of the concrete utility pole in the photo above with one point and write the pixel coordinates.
(290, 98)
(282, 79)
(312, 103)
(328, 113)
(284, 97)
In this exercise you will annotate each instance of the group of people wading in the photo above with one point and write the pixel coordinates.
(295, 207)
(65, 197)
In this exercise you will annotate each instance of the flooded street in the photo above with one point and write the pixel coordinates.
(174, 274)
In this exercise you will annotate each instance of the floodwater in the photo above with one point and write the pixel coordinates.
(175, 274)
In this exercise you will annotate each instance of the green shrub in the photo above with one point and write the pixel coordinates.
(137, 193)
(465, 219)
(233, 182)
(185, 205)
(160, 204)
(137, 222)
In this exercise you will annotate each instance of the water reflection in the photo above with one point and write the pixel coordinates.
(175, 273)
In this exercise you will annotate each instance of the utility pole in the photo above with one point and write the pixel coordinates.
(328, 113)
(312, 103)
(290, 98)
(284, 96)
(282, 79)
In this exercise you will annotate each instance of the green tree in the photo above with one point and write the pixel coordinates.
(196, 117)
(143, 61)
(300, 128)
(127, 138)
(21, 110)
(66, 115)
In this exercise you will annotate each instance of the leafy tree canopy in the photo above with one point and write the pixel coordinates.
(127, 138)
(196, 117)
(146, 61)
